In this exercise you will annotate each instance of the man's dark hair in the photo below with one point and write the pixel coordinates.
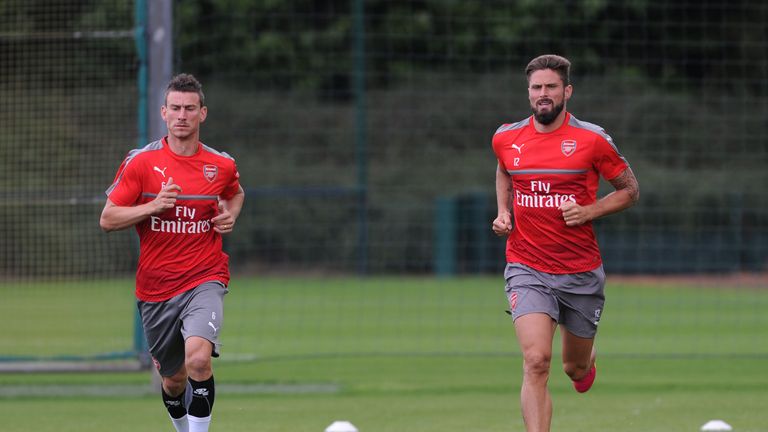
(185, 83)
(559, 64)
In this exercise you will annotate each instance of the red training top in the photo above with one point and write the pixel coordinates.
(179, 249)
(548, 169)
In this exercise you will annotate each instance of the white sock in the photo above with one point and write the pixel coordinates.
(181, 424)
(198, 424)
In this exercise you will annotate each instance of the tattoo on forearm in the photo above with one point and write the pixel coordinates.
(627, 181)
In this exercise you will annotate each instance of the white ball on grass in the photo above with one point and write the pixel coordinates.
(716, 425)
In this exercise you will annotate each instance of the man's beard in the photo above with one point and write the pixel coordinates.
(547, 118)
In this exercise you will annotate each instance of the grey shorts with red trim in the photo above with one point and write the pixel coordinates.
(573, 300)
(168, 324)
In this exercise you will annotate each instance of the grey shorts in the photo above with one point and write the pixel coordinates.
(167, 324)
(574, 300)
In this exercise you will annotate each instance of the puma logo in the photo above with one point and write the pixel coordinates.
(213, 327)
(161, 171)
(519, 148)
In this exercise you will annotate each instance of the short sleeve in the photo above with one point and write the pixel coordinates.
(233, 186)
(126, 188)
(496, 146)
(607, 159)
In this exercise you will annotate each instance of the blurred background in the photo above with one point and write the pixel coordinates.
(367, 283)
(362, 132)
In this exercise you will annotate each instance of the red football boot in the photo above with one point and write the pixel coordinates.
(585, 383)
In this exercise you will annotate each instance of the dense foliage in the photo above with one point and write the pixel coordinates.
(679, 86)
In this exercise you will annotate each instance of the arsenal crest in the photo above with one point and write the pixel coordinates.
(210, 172)
(568, 147)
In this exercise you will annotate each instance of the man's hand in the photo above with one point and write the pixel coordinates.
(224, 221)
(502, 225)
(574, 214)
(166, 199)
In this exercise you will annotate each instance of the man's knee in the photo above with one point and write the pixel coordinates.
(537, 364)
(576, 370)
(199, 365)
(198, 358)
(175, 385)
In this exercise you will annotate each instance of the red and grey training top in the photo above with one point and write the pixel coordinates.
(179, 249)
(546, 170)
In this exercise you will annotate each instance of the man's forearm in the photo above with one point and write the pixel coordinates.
(627, 193)
(235, 204)
(115, 218)
(503, 191)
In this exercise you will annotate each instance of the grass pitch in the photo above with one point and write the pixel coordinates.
(397, 354)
